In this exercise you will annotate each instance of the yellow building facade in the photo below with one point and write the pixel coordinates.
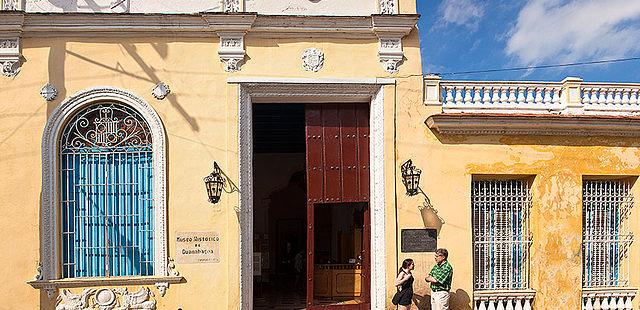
(221, 83)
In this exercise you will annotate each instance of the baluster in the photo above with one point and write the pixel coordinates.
(610, 96)
(458, 90)
(634, 97)
(496, 95)
(486, 98)
(518, 303)
(556, 95)
(511, 300)
(620, 305)
(449, 99)
(585, 95)
(617, 99)
(483, 305)
(500, 304)
(521, 94)
(477, 99)
(467, 95)
(588, 303)
(539, 95)
(547, 96)
(596, 303)
(604, 305)
(492, 304)
(527, 304)
(594, 96)
(602, 99)
(628, 305)
(503, 95)
(512, 95)
(625, 96)
(530, 94)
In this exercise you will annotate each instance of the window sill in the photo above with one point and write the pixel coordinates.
(52, 286)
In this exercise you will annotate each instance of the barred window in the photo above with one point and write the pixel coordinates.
(606, 206)
(106, 182)
(501, 239)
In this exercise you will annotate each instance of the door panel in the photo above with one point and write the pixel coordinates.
(338, 173)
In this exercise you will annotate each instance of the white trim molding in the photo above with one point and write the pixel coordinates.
(49, 229)
(317, 91)
(533, 124)
(390, 30)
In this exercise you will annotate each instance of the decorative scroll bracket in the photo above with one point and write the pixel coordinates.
(231, 29)
(390, 30)
(10, 57)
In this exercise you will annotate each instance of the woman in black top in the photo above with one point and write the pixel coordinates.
(404, 282)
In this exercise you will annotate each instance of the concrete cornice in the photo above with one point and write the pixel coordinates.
(200, 25)
(545, 125)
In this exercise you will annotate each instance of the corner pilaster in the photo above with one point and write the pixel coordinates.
(10, 40)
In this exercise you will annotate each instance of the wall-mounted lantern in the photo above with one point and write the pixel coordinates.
(214, 184)
(411, 177)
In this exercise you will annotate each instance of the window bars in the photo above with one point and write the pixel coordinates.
(606, 206)
(106, 187)
(501, 238)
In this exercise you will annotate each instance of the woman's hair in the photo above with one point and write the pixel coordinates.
(405, 264)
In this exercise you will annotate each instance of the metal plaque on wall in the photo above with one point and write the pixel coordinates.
(418, 240)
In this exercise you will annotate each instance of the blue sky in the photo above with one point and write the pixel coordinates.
(467, 35)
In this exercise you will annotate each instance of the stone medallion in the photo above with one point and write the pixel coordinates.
(105, 298)
(312, 59)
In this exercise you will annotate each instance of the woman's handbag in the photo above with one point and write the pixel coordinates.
(396, 298)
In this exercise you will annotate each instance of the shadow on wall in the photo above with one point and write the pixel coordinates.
(459, 300)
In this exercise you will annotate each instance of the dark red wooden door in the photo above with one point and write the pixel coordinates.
(337, 172)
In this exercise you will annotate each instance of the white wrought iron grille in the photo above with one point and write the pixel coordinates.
(501, 239)
(606, 206)
(106, 187)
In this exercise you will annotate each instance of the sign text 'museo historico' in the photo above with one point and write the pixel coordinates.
(197, 247)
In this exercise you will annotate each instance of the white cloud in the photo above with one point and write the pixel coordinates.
(461, 12)
(555, 31)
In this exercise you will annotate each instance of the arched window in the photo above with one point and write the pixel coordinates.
(106, 193)
(103, 192)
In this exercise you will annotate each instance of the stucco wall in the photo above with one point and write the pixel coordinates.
(557, 165)
(200, 119)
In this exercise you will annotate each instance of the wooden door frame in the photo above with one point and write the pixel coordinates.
(301, 90)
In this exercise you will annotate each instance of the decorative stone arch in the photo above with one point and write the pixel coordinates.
(49, 228)
(301, 90)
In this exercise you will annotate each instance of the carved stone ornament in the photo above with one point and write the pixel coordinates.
(11, 5)
(48, 92)
(10, 59)
(231, 50)
(231, 6)
(160, 90)
(312, 59)
(106, 299)
(38, 275)
(171, 268)
(388, 7)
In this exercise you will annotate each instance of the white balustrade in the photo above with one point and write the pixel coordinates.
(503, 300)
(611, 98)
(569, 97)
(492, 97)
(608, 299)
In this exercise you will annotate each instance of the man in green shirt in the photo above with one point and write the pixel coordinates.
(440, 278)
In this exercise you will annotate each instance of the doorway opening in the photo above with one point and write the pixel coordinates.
(311, 227)
(280, 212)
